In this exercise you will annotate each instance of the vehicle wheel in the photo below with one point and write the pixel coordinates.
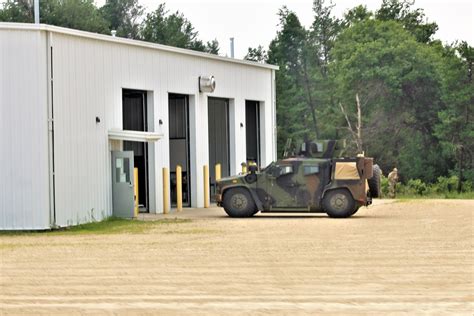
(355, 210)
(339, 204)
(238, 203)
(251, 178)
(374, 183)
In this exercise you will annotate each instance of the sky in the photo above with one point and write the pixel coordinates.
(255, 22)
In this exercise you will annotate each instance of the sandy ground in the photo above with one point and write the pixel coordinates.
(408, 257)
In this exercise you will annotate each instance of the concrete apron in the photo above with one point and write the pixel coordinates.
(218, 212)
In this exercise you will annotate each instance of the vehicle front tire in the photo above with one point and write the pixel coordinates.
(355, 210)
(339, 204)
(238, 202)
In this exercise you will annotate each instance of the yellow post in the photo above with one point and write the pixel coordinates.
(218, 171)
(135, 176)
(244, 167)
(179, 189)
(166, 184)
(206, 186)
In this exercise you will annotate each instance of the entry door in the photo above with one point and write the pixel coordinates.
(252, 131)
(179, 145)
(123, 184)
(134, 119)
(218, 123)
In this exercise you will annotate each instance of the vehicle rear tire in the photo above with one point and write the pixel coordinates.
(238, 202)
(374, 182)
(339, 203)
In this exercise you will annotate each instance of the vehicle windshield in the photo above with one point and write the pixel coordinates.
(268, 167)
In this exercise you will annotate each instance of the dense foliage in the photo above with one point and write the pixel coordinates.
(126, 17)
(416, 94)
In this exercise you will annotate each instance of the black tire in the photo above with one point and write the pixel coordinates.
(239, 203)
(355, 210)
(251, 178)
(339, 203)
(374, 183)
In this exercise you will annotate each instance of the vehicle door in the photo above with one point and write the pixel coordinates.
(314, 179)
(282, 186)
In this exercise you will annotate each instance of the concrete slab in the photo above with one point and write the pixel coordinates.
(218, 212)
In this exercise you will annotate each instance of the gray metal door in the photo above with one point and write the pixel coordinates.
(123, 184)
(218, 123)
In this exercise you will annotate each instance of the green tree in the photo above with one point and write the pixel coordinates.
(356, 14)
(413, 20)
(455, 129)
(258, 54)
(324, 30)
(76, 14)
(295, 118)
(123, 16)
(399, 83)
(212, 47)
(174, 30)
(17, 11)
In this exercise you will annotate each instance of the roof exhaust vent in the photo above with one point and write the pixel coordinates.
(114, 32)
(231, 47)
(207, 84)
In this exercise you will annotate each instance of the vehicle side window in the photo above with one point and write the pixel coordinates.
(286, 170)
(279, 171)
(309, 170)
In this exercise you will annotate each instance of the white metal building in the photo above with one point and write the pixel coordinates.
(70, 99)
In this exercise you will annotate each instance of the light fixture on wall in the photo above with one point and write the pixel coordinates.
(160, 122)
(97, 119)
(207, 84)
(241, 124)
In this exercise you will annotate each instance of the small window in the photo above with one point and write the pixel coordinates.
(286, 170)
(122, 166)
(308, 170)
(279, 171)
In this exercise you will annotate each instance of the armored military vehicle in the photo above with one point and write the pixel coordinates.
(317, 179)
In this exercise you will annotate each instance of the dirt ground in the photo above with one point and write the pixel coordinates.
(413, 257)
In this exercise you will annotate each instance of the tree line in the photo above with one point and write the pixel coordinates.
(126, 17)
(415, 94)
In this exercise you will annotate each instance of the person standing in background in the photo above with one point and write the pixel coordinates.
(392, 183)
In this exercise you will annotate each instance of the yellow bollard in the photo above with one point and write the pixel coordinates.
(135, 176)
(166, 184)
(244, 167)
(206, 186)
(179, 189)
(218, 171)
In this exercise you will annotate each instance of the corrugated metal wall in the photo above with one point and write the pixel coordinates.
(24, 189)
(89, 76)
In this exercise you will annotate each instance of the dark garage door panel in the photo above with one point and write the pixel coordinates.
(218, 115)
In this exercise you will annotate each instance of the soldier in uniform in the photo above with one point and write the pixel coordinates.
(392, 183)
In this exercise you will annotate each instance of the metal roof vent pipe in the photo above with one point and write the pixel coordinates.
(114, 32)
(207, 84)
(231, 47)
(37, 11)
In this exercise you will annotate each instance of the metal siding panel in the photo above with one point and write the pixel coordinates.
(81, 148)
(23, 131)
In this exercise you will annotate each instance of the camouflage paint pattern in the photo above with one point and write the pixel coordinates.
(298, 184)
